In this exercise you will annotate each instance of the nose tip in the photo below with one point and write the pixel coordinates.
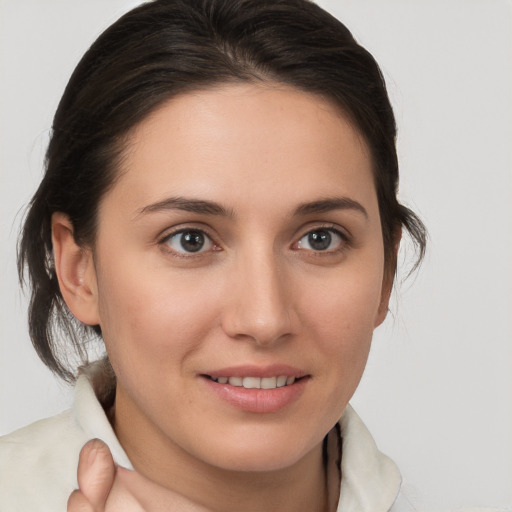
(263, 329)
(260, 307)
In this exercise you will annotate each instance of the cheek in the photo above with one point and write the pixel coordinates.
(347, 303)
(342, 315)
(153, 317)
(345, 344)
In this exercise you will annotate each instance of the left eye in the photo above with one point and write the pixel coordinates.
(321, 240)
(189, 241)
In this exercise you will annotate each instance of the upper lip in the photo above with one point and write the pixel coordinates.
(250, 370)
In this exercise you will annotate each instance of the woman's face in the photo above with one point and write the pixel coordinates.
(240, 247)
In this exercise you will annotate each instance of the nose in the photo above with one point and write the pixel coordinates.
(260, 305)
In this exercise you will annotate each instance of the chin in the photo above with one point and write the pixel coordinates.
(259, 453)
(263, 462)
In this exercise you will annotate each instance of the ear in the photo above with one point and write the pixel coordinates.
(75, 270)
(388, 279)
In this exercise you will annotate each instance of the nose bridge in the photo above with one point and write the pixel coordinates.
(260, 307)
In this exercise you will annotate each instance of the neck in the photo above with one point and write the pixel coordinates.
(298, 488)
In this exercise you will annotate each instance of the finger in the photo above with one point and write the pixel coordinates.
(77, 502)
(96, 471)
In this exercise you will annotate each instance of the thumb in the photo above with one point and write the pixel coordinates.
(96, 471)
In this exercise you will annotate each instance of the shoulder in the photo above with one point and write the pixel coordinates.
(38, 464)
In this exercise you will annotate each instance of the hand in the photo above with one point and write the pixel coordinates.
(96, 475)
(103, 487)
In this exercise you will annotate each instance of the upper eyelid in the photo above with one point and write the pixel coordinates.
(334, 230)
(166, 233)
(329, 226)
(184, 230)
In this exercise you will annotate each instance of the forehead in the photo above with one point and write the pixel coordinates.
(243, 141)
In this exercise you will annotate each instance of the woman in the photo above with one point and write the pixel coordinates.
(219, 206)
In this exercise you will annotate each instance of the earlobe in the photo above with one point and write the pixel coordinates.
(75, 270)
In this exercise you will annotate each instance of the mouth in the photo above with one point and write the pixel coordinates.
(258, 389)
(249, 382)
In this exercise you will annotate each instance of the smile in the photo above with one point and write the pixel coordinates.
(258, 390)
(256, 382)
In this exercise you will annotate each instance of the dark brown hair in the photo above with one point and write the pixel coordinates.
(167, 47)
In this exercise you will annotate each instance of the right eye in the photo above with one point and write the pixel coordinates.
(188, 241)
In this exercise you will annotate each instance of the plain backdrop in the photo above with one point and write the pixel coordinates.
(437, 392)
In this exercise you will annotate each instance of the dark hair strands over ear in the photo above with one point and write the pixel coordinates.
(155, 52)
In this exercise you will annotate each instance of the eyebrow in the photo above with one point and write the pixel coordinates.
(330, 204)
(188, 205)
(204, 207)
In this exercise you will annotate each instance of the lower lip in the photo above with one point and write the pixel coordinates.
(258, 400)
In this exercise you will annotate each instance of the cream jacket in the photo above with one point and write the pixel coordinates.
(38, 463)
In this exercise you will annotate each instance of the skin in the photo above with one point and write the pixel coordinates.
(105, 487)
(258, 293)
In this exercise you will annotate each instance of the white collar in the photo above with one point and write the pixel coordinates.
(91, 416)
(370, 480)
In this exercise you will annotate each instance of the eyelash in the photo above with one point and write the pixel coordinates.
(164, 242)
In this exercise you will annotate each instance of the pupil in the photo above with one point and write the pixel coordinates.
(319, 240)
(192, 241)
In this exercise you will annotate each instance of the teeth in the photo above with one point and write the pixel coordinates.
(256, 382)
(281, 381)
(235, 381)
(269, 383)
(251, 383)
